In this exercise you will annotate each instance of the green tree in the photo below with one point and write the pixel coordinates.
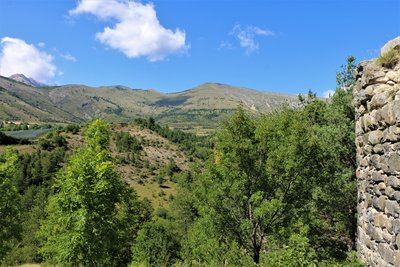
(9, 202)
(345, 77)
(92, 216)
(335, 197)
(261, 174)
(156, 245)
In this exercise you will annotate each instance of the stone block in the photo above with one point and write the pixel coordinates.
(382, 221)
(393, 162)
(378, 162)
(396, 195)
(392, 208)
(397, 258)
(394, 182)
(378, 149)
(387, 236)
(386, 253)
(396, 226)
(379, 203)
(393, 76)
(396, 110)
(378, 101)
(377, 176)
(367, 148)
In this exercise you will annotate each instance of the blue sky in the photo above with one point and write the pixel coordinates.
(173, 45)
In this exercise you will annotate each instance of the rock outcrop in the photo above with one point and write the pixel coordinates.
(377, 104)
(28, 81)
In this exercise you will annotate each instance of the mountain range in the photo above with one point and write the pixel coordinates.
(199, 108)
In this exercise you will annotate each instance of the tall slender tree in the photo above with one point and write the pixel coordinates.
(92, 215)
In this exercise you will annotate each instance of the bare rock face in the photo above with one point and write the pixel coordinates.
(395, 43)
(377, 105)
(28, 81)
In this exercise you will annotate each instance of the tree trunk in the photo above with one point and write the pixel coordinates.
(256, 255)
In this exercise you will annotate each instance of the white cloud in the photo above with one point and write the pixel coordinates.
(328, 93)
(137, 32)
(41, 44)
(17, 56)
(68, 57)
(247, 35)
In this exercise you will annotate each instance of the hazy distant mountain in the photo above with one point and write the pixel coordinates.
(29, 81)
(199, 108)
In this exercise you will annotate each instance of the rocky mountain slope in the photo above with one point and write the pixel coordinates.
(201, 107)
(26, 80)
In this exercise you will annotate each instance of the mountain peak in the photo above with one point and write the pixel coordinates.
(19, 77)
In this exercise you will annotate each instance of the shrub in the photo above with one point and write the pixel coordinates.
(162, 212)
(160, 179)
(389, 59)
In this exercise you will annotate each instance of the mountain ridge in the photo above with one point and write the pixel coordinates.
(19, 77)
(200, 107)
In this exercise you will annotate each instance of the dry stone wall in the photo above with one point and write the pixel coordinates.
(377, 104)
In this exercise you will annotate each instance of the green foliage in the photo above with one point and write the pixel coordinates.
(389, 59)
(278, 190)
(268, 174)
(92, 216)
(344, 78)
(192, 144)
(52, 140)
(97, 134)
(72, 128)
(298, 252)
(156, 245)
(126, 142)
(27, 248)
(206, 247)
(262, 171)
(9, 203)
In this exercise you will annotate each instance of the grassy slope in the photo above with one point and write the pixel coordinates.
(24, 103)
(157, 151)
(200, 108)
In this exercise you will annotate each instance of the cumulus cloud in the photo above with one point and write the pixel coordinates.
(328, 93)
(247, 35)
(137, 31)
(17, 56)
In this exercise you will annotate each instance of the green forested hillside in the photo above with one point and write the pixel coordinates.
(277, 189)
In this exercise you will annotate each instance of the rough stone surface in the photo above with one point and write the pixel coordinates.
(395, 43)
(377, 108)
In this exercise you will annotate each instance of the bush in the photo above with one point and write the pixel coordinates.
(51, 141)
(125, 142)
(389, 59)
(160, 179)
(162, 213)
(72, 128)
